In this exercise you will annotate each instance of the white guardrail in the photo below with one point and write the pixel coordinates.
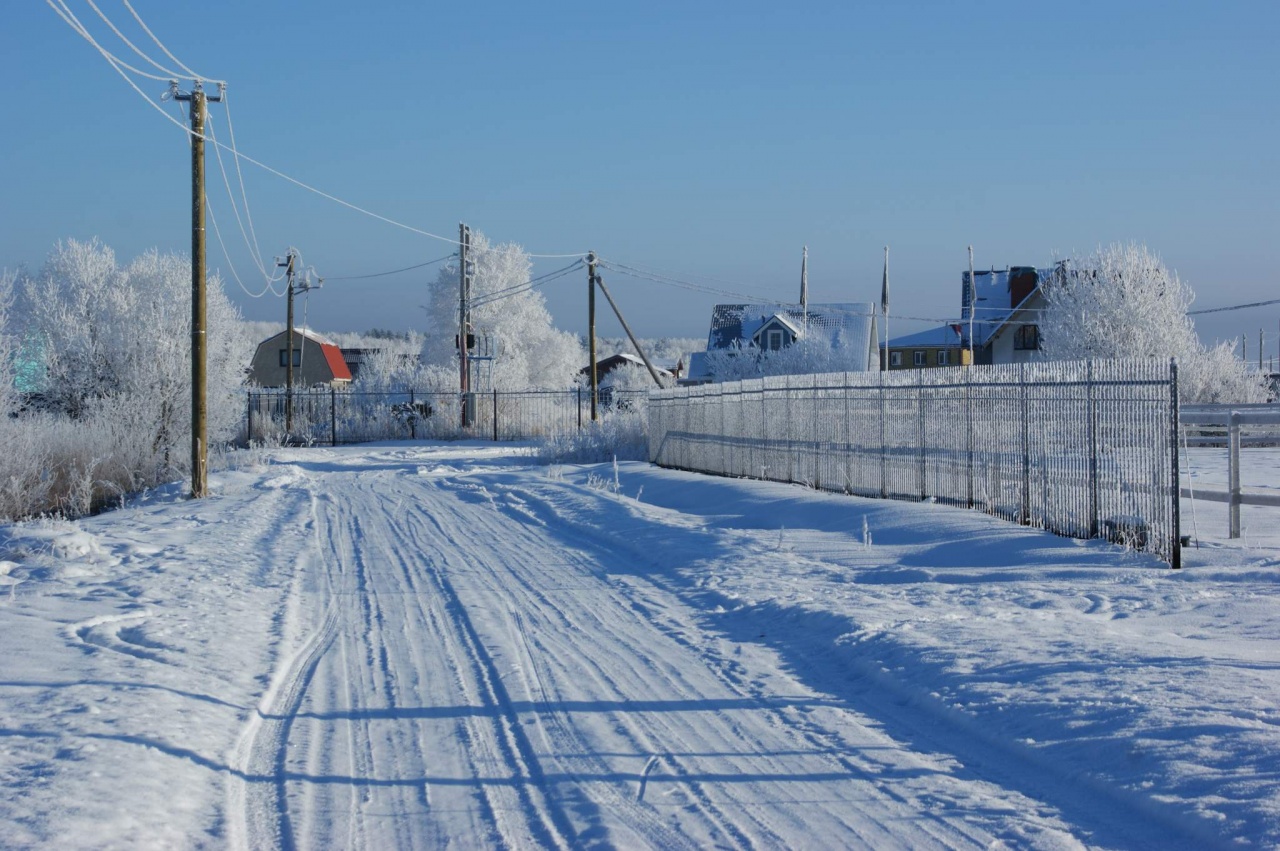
(1234, 424)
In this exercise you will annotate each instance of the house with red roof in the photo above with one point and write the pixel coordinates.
(315, 361)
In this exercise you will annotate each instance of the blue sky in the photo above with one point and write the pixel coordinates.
(708, 140)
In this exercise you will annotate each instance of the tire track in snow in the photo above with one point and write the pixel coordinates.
(821, 744)
(257, 807)
(1080, 804)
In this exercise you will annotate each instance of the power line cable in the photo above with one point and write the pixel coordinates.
(63, 11)
(69, 18)
(217, 232)
(244, 196)
(129, 43)
(1267, 303)
(175, 59)
(251, 245)
(518, 289)
(391, 272)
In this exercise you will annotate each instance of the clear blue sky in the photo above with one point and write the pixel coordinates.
(711, 140)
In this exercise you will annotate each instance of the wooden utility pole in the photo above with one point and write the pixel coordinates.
(199, 348)
(464, 318)
(289, 267)
(591, 333)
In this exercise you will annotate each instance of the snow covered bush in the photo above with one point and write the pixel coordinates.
(528, 351)
(621, 434)
(805, 357)
(113, 415)
(1121, 301)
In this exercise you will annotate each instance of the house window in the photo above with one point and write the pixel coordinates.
(1027, 338)
(895, 359)
(944, 357)
(297, 357)
(918, 358)
(775, 340)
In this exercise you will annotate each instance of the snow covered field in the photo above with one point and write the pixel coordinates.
(421, 645)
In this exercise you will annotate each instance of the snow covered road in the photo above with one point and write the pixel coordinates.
(420, 646)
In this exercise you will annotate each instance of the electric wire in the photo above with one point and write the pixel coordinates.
(633, 272)
(175, 59)
(217, 232)
(63, 11)
(129, 43)
(251, 245)
(1234, 307)
(244, 196)
(518, 289)
(390, 272)
(120, 66)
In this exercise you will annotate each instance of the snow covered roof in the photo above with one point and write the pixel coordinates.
(941, 337)
(997, 292)
(738, 323)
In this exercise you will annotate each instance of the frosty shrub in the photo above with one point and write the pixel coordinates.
(1122, 302)
(806, 357)
(529, 352)
(621, 434)
(113, 415)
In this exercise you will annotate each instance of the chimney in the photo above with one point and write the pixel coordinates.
(1023, 281)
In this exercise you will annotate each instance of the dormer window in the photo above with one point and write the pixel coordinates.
(775, 339)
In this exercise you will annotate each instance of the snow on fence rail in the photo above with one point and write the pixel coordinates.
(1233, 426)
(1083, 449)
(327, 415)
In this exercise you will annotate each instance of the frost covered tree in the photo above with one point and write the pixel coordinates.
(8, 344)
(1121, 301)
(528, 350)
(813, 355)
(123, 334)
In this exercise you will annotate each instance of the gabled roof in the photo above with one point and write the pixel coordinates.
(993, 292)
(737, 324)
(338, 366)
(942, 337)
(778, 319)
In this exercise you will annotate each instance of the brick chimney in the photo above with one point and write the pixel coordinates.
(1023, 281)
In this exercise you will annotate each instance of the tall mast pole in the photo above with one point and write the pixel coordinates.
(199, 342)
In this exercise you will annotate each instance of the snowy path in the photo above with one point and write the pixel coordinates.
(482, 680)
(428, 646)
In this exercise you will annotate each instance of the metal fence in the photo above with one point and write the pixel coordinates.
(1084, 449)
(350, 416)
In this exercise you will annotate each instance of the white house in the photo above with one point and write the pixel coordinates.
(753, 329)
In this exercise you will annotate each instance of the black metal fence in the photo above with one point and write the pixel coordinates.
(332, 416)
(1083, 449)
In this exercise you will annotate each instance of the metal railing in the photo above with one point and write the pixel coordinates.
(1083, 449)
(332, 416)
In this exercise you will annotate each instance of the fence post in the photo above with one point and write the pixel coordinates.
(495, 415)
(1091, 417)
(1233, 473)
(1175, 554)
(1026, 447)
(924, 473)
(413, 416)
(884, 449)
(248, 435)
(579, 407)
(333, 416)
(968, 416)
